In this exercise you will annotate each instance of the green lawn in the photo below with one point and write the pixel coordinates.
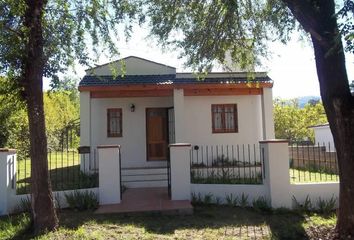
(208, 222)
(64, 170)
(303, 176)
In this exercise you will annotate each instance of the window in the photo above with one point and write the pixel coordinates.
(114, 122)
(224, 118)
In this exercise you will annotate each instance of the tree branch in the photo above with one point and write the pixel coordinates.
(19, 34)
(307, 15)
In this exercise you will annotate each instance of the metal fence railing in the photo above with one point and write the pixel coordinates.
(313, 163)
(226, 164)
(68, 169)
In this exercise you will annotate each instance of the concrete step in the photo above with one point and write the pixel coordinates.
(145, 184)
(144, 177)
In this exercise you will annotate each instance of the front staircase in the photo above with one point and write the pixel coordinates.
(145, 177)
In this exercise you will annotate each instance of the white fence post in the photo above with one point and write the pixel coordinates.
(276, 176)
(180, 171)
(7, 179)
(109, 174)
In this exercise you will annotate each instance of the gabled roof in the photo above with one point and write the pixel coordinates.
(126, 58)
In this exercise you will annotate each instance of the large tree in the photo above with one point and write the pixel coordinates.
(41, 38)
(206, 30)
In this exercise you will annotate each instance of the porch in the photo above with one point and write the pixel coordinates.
(147, 200)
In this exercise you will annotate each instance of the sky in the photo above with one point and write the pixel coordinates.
(291, 66)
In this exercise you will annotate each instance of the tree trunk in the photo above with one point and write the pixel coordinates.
(319, 20)
(43, 212)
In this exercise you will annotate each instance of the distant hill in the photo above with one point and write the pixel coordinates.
(302, 101)
(305, 99)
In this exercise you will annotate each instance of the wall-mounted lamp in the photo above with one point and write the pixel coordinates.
(132, 107)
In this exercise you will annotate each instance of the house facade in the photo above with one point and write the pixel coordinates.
(152, 106)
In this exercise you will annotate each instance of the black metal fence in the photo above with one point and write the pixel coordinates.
(226, 164)
(68, 169)
(313, 163)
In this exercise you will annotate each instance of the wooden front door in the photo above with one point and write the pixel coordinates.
(156, 133)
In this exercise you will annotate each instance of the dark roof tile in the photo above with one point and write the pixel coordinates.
(161, 79)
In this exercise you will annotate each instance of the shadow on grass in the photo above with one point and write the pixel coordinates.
(286, 225)
(282, 225)
(65, 178)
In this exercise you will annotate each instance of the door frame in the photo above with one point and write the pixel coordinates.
(167, 135)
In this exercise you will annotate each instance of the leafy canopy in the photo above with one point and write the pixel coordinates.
(209, 30)
(70, 29)
(292, 122)
(206, 30)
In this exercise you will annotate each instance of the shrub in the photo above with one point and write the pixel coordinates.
(326, 206)
(231, 200)
(304, 207)
(88, 180)
(243, 200)
(262, 204)
(217, 200)
(196, 199)
(208, 199)
(86, 200)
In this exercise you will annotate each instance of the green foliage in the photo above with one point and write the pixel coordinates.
(292, 122)
(196, 199)
(217, 200)
(346, 24)
(14, 225)
(69, 29)
(206, 30)
(61, 111)
(326, 206)
(306, 206)
(231, 200)
(82, 200)
(243, 200)
(262, 204)
(208, 199)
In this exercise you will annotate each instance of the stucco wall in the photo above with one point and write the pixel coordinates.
(197, 124)
(323, 136)
(222, 191)
(325, 191)
(133, 141)
(198, 121)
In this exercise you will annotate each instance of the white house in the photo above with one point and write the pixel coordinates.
(152, 106)
(324, 137)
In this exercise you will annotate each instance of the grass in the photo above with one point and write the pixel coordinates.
(64, 170)
(303, 176)
(208, 222)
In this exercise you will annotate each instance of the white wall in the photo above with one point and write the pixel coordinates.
(325, 191)
(133, 141)
(197, 124)
(222, 190)
(59, 198)
(323, 136)
(267, 114)
(198, 120)
(109, 174)
(133, 66)
(85, 119)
